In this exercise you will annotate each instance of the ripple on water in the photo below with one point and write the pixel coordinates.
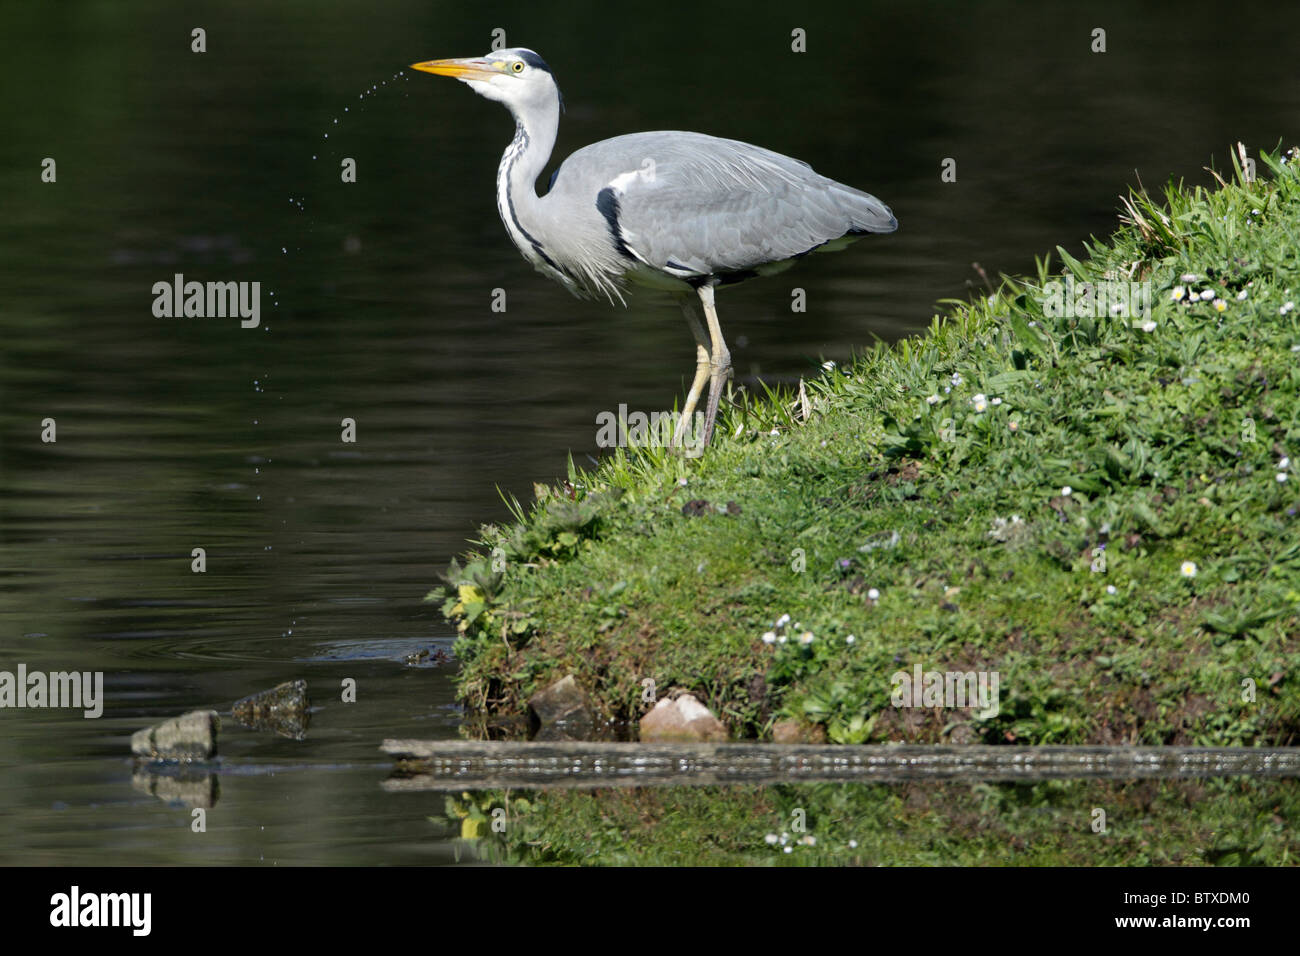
(412, 651)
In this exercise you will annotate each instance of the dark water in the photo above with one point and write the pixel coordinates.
(175, 434)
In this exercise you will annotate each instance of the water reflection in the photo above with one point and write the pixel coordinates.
(1236, 822)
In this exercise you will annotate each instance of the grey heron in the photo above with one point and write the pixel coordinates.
(682, 212)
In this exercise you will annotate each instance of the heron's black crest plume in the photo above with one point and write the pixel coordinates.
(536, 62)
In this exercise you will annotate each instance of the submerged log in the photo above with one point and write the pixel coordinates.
(464, 765)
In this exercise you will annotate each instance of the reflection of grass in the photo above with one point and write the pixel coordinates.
(1218, 822)
(917, 500)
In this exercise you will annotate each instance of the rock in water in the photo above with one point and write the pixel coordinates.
(283, 709)
(191, 736)
(562, 710)
(683, 719)
(797, 732)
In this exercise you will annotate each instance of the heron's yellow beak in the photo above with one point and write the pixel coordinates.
(467, 69)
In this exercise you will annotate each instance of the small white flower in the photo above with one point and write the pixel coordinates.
(1219, 305)
(1243, 295)
(933, 399)
(980, 403)
(1281, 476)
(1067, 491)
(681, 482)
(1284, 463)
(1013, 426)
(1189, 277)
(788, 849)
(1254, 212)
(783, 620)
(853, 844)
(806, 638)
(995, 401)
(1111, 589)
(1149, 326)
(1178, 294)
(771, 839)
(1032, 324)
(1188, 569)
(1286, 307)
(809, 840)
(781, 639)
(784, 838)
(874, 594)
(769, 637)
(851, 639)
(956, 378)
(829, 366)
(1207, 295)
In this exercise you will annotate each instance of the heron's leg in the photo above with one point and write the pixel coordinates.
(719, 361)
(701, 372)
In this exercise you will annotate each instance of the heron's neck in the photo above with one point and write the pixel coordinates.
(521, 164)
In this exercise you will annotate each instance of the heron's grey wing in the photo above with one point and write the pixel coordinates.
(694, 205)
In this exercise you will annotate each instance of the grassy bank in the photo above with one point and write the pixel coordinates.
(1101, 509)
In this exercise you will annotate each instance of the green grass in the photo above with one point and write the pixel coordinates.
(659, 567)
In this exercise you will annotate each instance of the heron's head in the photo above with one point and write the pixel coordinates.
(517, 77)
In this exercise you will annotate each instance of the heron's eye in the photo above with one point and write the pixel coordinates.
(518, 67)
